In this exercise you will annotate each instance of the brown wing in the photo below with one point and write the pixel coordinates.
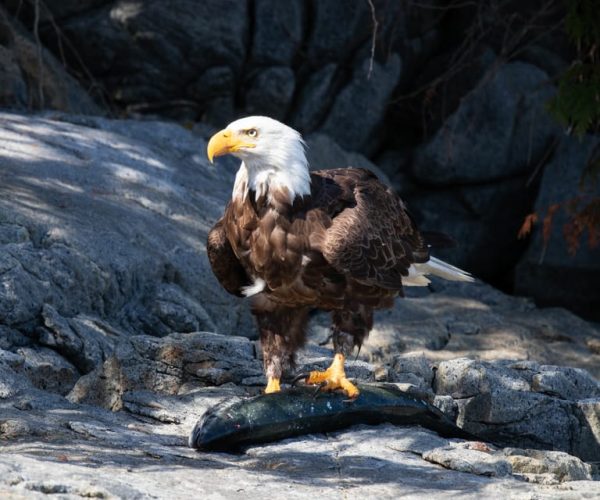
(372, 237)
(223, 261)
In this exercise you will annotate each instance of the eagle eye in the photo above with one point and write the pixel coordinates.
(251, 132)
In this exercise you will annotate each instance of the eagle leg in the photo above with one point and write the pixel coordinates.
(350, 327)
(282, 332)
(334, 378)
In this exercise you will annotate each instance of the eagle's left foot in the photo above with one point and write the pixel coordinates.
(334, 378)
(272, 385)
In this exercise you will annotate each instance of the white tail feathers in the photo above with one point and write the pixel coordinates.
(434, 267)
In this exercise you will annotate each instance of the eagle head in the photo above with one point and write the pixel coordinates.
(273, 155)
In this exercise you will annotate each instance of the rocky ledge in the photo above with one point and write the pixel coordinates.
(115, 338)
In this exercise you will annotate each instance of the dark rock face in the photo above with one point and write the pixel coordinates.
(360, 104)
(32, 78)
(338, 28)
(314, 99)
(484, 219)
(451, 102)
(279, 32)
(270, 92)
(550, 272)
(498, 131)
(90, 247)
(151, 51)
(541, 406)
(115, 339)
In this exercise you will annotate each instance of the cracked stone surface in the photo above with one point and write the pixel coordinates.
(115, 339)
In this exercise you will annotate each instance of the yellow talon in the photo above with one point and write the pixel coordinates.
(272, 386)
(334, 378)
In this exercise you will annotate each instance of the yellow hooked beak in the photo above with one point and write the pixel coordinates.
(225, 142)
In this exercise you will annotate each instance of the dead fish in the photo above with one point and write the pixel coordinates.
(233, 425)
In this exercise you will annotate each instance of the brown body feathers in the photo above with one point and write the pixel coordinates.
(345, 248)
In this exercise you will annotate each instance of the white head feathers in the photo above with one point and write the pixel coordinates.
(276, 160)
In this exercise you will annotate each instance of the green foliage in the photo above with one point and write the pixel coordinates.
(577, 106)
(582, 22)
(577, 102)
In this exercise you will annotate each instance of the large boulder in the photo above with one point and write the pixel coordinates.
(102, 227)
(315, 99)
(165, 385)
(338, 28)
(270, 92)
(278, 32)
(500, 129)
(147, 53)
(32, 78)
(536, 405)
(484, 219)
(108, 303)
(324, 153)
(356, 112)
(549, 271)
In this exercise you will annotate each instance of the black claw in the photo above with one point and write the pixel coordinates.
(318, 389)
(298, 378)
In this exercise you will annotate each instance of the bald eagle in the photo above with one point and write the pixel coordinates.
(293, 240)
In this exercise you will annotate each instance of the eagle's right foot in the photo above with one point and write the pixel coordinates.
(334, 378)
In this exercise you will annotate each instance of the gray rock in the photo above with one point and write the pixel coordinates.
(181, 409)
(10, 338)
(472, 146)
(174, 44)
(464, 378)
(215, 81)
(315, 98)
(324, 153)
(59, 335)
(508, 328)
(14, 428)
(412, 368)
(549, 272)
(116, 244)
(338, 27)
(495, 401)
(12, 383)
(107, 245)
(13, 233)
(59, 9)
(447, 405)
(566, 383)
(47, 370)
(484, 219)
(544, 57)
(586, 443)
(278, 31)
(144, 363)
(87, 450)
(354, 116)
(214, 90)
(125, 457)
(533, 463)
(471, 461)
(270, 92)
(32, 78)
(396, 165)
(177, 311)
